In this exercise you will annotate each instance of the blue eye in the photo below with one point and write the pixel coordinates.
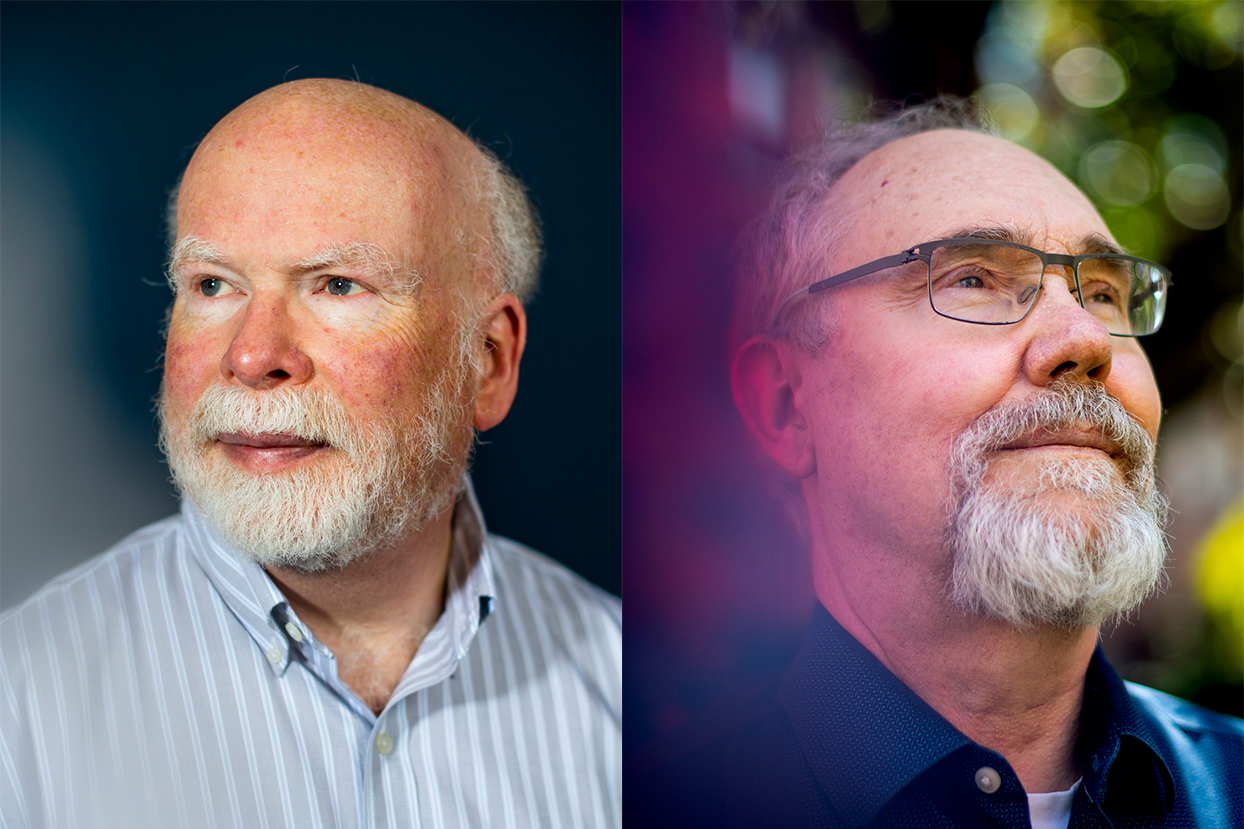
(340, 286)
(210, 286)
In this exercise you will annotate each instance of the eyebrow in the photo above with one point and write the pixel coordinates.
(1092, 243)
(190, 248)
(364, 256)
(360, 255)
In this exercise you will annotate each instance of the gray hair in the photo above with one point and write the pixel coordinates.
(515, 250)
(786, 247)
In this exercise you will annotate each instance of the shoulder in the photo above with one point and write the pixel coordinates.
(88, 605)
(554, 622)
(1173, 713)
(738, 764)
(537, 582)
(1202, 749)
(119, 563)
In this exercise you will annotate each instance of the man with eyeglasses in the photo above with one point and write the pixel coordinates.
(937, 348)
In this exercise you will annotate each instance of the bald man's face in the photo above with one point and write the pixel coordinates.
(315, 334)
(898, 389)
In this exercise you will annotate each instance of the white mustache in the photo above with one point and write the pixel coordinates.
(310, 414)
(1062, 406)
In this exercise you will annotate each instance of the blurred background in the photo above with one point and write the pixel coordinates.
(102, 106)
(1139, 103)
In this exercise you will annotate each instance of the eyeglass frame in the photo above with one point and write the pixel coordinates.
(908, 256)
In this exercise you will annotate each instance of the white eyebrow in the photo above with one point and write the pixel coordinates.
(365, 256)
(190, 248)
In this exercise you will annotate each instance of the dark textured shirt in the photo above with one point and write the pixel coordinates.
(842, 742)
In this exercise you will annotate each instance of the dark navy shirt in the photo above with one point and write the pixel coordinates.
(841, 742)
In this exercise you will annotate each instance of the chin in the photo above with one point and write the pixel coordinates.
(1066, 558)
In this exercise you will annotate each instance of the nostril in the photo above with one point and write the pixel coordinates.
(1064, 368)
(279, 374)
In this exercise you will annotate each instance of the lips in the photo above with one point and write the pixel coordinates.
(268, 440)
(268, 452)
(1086, 437)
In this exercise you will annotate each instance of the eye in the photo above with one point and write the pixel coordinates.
(1102, 295)
(211, 286)
(340, 286)
(969, 282)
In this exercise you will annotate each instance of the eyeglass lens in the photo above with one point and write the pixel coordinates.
(998, 284)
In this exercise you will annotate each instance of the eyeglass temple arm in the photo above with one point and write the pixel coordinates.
(846, 276)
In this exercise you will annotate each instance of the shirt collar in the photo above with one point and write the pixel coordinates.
(258, 604)
(843, 703)
(1122, 760)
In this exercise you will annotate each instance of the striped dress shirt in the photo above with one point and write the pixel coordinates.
(168, 682)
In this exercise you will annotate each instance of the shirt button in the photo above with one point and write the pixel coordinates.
(384, 743)
(294, 632)
(274, 654)
(988, 780)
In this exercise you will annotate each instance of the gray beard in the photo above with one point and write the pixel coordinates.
(376, 483)
(1017, 557)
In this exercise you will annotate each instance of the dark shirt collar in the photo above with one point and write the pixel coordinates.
(867, 736)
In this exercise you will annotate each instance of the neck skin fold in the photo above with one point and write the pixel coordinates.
(374, 613)
(1017, 691)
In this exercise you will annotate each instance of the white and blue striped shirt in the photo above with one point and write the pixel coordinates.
(168, 682)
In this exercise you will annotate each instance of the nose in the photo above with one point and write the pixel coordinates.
(264, 352)
(1064, 338)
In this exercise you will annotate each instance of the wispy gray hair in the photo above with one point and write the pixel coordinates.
(787, 246)
(517, 239)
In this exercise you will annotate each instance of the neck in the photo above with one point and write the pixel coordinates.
(1017, 691)
(374, 613)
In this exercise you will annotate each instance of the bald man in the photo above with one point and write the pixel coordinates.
(938, 349)
(326, 634)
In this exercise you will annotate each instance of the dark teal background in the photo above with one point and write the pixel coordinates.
(102, 106)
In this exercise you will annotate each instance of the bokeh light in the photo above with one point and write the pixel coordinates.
(1197, 196)
(1135, 229)
(1119, 173)
(1194, 139)
(1005, 57)
(1015, 113)
(1090, 77)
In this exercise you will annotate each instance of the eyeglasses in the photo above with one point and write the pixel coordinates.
(997, 283)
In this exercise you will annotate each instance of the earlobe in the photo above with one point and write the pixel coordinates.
(766, 378)
(504, 326)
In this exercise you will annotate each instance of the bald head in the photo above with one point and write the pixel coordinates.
(462, 217)
(788, 243)
(341, 257)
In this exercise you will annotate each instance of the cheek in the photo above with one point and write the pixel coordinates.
(929, 394)
(1131, 381)
(191, 364)
(378, 375)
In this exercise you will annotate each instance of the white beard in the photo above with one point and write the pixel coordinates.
(1017, 556)
(375, 483)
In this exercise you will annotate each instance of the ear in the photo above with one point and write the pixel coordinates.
(505, 335)
(766, 377)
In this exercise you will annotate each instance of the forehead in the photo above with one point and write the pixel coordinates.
(926, 186)
(294, 177)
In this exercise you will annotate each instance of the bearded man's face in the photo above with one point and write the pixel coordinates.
(323, 355)
(1020, 551)
(335, 487)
